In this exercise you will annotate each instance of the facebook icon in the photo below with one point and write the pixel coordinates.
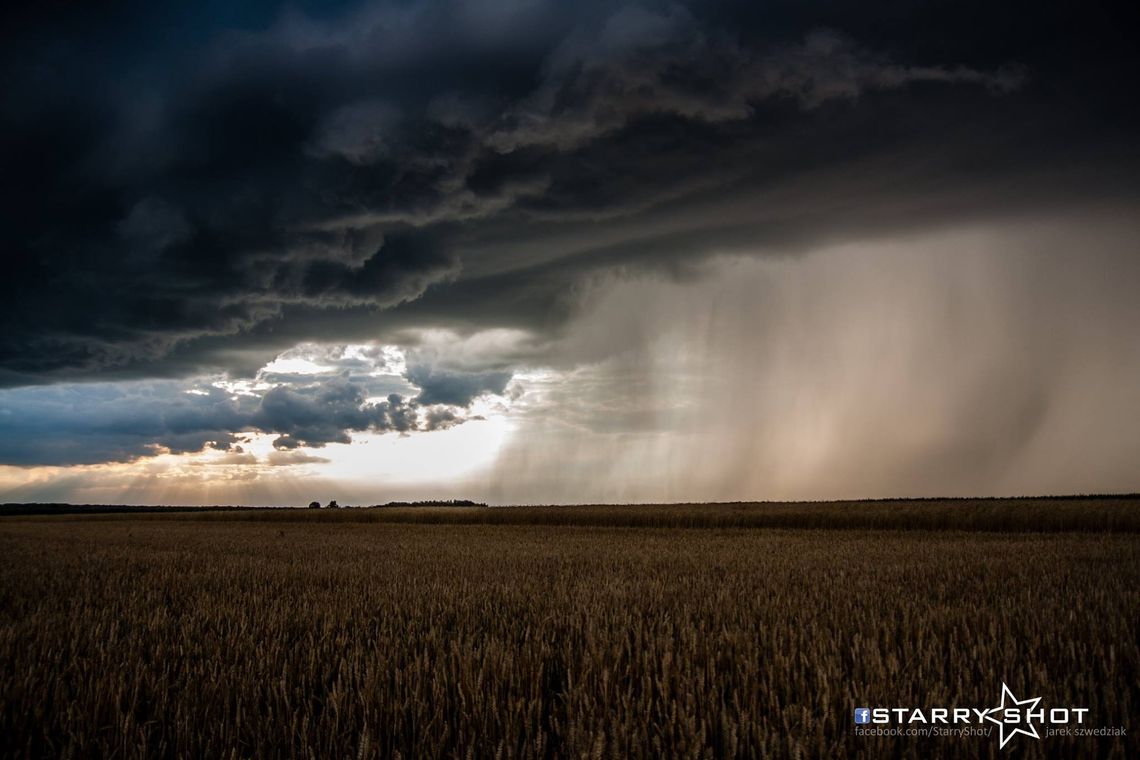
(862, 715)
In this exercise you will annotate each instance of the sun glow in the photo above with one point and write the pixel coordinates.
(435, 460)
(372, 469)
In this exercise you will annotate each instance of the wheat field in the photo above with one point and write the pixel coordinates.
(324, 637)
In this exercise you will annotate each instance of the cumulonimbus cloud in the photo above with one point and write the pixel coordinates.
(211, 205)
(198, 204)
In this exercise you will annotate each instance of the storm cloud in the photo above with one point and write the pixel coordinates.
(190, 193)
(225, 182)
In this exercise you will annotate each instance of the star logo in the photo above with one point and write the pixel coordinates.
(1025, 706)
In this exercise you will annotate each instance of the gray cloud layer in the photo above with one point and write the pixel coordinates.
(90, 423)
(192, 202)
(178, 203)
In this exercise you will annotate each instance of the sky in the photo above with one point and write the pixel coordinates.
(525, 251)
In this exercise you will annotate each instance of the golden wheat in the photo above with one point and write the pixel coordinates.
(326, 639)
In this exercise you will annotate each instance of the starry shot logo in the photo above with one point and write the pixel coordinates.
(1011, 716)
(1008, 715)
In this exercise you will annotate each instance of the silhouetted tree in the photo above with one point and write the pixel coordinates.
(333, 504)
(314, 505)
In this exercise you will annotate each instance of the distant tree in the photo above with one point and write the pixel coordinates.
(314, 505)
(333, 504)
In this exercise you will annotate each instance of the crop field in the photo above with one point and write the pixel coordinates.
(339, 634)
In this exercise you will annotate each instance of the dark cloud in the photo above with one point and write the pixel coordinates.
(455, 388)
(93, 423)
(209, 190)
(325, 413)
(441, 419)
(645, 63)
(192, 191)
(103, 422)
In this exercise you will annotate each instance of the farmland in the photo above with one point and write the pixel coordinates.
(601, 632)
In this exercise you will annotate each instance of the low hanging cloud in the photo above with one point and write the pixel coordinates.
(116, 422)
(327, 413)
(455, 388)
(278, 458)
